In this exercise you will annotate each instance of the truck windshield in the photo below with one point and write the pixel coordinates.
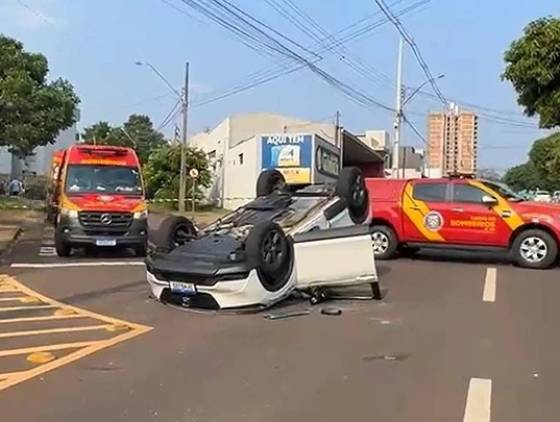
(503, 190)
(103, 179)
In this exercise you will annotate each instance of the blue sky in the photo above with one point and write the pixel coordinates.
(95, 44)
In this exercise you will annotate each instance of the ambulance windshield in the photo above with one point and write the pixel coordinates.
(103, 179)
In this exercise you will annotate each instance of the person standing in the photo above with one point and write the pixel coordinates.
(15, 187)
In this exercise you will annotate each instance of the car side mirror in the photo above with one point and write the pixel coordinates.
(489, 200)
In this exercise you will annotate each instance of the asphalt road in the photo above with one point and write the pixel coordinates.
(453, 340)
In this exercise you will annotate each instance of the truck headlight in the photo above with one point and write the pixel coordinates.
(69, 212)
(140, 215)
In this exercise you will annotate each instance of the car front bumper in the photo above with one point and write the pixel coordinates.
(72, 232)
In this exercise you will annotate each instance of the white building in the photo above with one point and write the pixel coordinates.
(234, 148)
(39, 162)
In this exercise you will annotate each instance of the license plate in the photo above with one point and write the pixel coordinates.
(182, 288)
(106, 242)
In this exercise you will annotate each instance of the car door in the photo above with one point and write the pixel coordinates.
(425, 211)
(472, 221)
(334, 256)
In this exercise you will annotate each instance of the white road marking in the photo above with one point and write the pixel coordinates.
(79, 264)
(489, 293)
(48, 242)
(479, 400)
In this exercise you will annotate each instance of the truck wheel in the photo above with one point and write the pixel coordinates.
(270, 250)
(174, 231)
(534, 249)
(384, 242)
(62, 248)
(270, 181)
(352, 188)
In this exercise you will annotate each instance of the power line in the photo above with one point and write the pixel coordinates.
(238, 21)
(262, 77)
(415, 50)
(170, 116)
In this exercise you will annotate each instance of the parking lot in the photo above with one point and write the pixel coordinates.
(456, 337)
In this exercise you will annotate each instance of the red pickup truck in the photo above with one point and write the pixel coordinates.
(454, 213)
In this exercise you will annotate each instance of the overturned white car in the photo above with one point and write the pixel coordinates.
(307, 240)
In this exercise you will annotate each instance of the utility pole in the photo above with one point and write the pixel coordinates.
(337, 130)
(398, 117)
(183, 170)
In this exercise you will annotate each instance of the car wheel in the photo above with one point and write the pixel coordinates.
(271, 252)
(174, 231)
(384, 242)
(534, 249)
(351, 187)
(62, 248)
(270, 181)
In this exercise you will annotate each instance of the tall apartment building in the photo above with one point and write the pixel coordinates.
(452, 143)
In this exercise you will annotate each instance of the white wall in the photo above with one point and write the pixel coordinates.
(241, 174)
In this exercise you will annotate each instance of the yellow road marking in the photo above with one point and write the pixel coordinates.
(23, 308)
(46, 348)
(11, 299)
(54, 331)
(78, 350)
(40, 357)
(9, 374)
(41, 318)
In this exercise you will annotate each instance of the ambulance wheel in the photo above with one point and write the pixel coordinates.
(384, 242)
(534, 249)
(174, 231)
(62, 248)
(270, 181)
(268, 247)
(351, 187)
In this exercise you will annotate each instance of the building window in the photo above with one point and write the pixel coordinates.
(240, 156)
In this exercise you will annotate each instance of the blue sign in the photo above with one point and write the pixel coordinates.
(290, 154)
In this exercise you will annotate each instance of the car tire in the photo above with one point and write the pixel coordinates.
(270, 181)
(351, 187)
(384, 242)
(63, 248)
(270, 250)
(534, 248)
(173, 232)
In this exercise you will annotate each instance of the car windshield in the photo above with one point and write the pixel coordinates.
(103, 179)
(504, 190)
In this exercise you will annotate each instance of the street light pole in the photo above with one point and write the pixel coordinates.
(184, 98)
(398, 117)
(183, 170)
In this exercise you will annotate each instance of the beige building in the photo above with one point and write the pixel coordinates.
(452, 143)
(235, 151)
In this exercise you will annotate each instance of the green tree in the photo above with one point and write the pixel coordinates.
(522, 177)
(137, 132)
(99, 133)
(32, 110)
(533, 67)
(161, 172)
